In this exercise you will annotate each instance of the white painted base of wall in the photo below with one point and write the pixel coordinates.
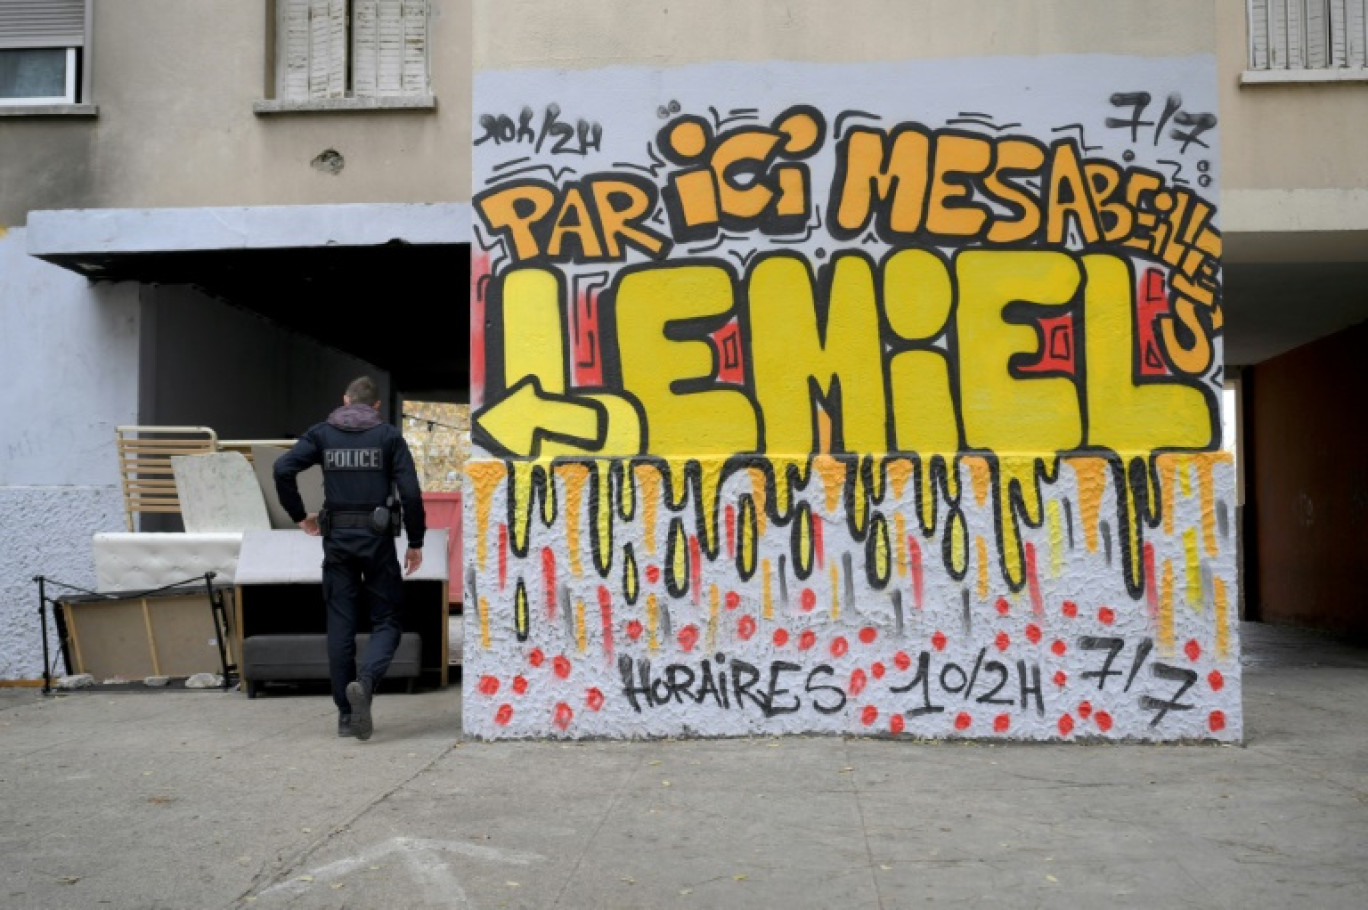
(47, 531)
(70, 351)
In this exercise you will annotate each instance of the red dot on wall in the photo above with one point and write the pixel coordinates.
(1060, 678)
(1192, 649)
(808, 599)
(489, 685)
(503, 715)
(1059, 647)
(733, 600)
(1070, 609)
(1085, 710)
(745, 627)
(1002, 723)
(594, 699)
(1033, 634)
(869, 715)
(564, 714)
(1216, 680)
(634, 630)
(1106, 616)
(896, 724)
(839, 646)
(857, 682)
(877, 669)
(868, 634)
(653, 574)
(901, 660)
(963, 720)
(780, 637)
(938, 641)
(535, 657)
(561, 664)
(1003, 641)
(688, 637)
(1003, 607)
(1066, 725)
(1103, 721)
(519, 684)
(807, 639)
(1217, 721)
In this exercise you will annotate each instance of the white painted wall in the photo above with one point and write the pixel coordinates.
(649, 582)
(70, 353)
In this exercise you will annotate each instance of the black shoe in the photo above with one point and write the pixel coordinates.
(359, 697)
(344, 725)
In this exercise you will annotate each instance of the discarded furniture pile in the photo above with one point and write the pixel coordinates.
(264, 622)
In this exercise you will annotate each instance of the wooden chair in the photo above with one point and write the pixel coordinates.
(149, 485)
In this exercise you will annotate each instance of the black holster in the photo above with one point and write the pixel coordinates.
(388, 518)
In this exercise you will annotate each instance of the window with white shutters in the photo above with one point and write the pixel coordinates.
(42, 52)
(359, 49)
(1307, 40)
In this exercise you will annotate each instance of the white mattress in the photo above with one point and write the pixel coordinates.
(293, 557)
(140, 561)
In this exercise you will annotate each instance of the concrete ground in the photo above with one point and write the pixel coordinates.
(204, 799)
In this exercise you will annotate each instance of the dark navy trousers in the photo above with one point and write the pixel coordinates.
(361, 569)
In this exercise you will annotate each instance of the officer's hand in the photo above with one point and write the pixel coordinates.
(412, 560)
(310, 525)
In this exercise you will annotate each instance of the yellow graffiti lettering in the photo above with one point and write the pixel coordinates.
(917, 302)
(1123, 415)
(842, 359)
(1003, 412)
(706, 421)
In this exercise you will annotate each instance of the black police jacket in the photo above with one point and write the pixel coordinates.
(361, 458)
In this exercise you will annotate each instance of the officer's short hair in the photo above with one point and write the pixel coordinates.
(363, 390)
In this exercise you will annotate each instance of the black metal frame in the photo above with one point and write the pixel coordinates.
(216, 609)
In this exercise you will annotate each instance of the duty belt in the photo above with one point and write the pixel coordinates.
(349, 519)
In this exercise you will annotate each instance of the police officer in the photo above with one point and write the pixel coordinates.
(363, 461)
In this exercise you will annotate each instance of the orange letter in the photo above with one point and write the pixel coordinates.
(957, 155)
(866, 169)
(513, 210)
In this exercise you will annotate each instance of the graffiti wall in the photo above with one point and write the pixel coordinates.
(876, 399)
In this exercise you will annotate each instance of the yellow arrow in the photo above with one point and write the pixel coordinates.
(518, 423)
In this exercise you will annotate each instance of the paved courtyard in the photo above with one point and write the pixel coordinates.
(205, 799)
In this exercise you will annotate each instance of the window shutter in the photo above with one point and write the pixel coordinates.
(328, 49)
(1317, 34)
(1357, 32)
(1277, 34)
(42, 23)
(390, 47)
(1258, 34)
(313, 39)
(1296, 34)
(1338, 50)
(1307, 34)
(415, 68)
